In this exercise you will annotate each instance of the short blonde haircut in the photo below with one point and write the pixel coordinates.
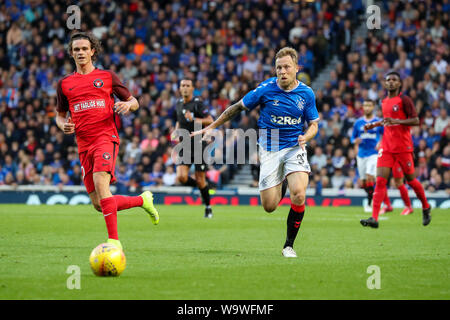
(287, 51)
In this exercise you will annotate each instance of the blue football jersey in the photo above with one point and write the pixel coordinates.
(369, 139)
(283, 113)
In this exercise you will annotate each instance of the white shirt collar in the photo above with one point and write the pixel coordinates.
(298, 83)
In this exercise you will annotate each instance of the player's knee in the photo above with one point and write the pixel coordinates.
(381, 182)
(182, 179)
(101, 182)
(409, 178)
(398, 183)
(201, 183)
(97, 207)
(298, 198)
(269, 206)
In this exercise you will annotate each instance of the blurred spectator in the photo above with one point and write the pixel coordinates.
(169, 177)
(338, 179)
(338, 159)
(447, 181)
(156, 175)
(318, 160)
(440, 64)
(436, 184)
(442, 121)
(123, 179)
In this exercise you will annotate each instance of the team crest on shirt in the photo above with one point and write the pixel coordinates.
(98, 83)
(106, 156)
(276, 102)
(395, 108)
(301, 103)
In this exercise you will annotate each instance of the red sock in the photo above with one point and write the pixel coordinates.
(404, 195)
(386, 200)
(378, 196)
(126, 202)
(297, 208)
(420, 193)
(109, 209)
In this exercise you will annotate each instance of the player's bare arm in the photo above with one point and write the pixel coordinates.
(206, 121)
(372, 125)
(227, 115)
(405, 122)
(313, 127)
(64, 123)
(174, 135)
(125, 107)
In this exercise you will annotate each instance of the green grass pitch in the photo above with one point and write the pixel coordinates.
(235, 255)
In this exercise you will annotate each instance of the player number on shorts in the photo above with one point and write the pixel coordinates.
(380, 153)
(301, 158)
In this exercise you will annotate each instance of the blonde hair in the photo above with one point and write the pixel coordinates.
(287, 51)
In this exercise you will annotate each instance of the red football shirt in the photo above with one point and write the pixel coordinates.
(397, 138)
(90, 100)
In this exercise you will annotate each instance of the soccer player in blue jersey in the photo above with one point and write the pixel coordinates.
(367, 143)
(286, 105)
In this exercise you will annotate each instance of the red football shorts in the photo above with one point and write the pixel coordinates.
(402, 160)
(99, 157)
(397, 172)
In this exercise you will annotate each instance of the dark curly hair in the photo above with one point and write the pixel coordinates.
(95, 43)
(395, 73)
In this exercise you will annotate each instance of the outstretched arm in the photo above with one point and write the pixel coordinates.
(405, 122)
(372, 125)
(205, 121)
(227, 115)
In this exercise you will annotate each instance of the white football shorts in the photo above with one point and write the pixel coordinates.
(276, 165)
(367, 166)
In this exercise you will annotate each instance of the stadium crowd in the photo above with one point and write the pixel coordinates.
(413, 41)
(228, 47)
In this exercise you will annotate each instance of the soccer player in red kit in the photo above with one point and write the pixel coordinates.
(86, 107)
(398, 115)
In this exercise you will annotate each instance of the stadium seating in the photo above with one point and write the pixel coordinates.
(228, 46)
